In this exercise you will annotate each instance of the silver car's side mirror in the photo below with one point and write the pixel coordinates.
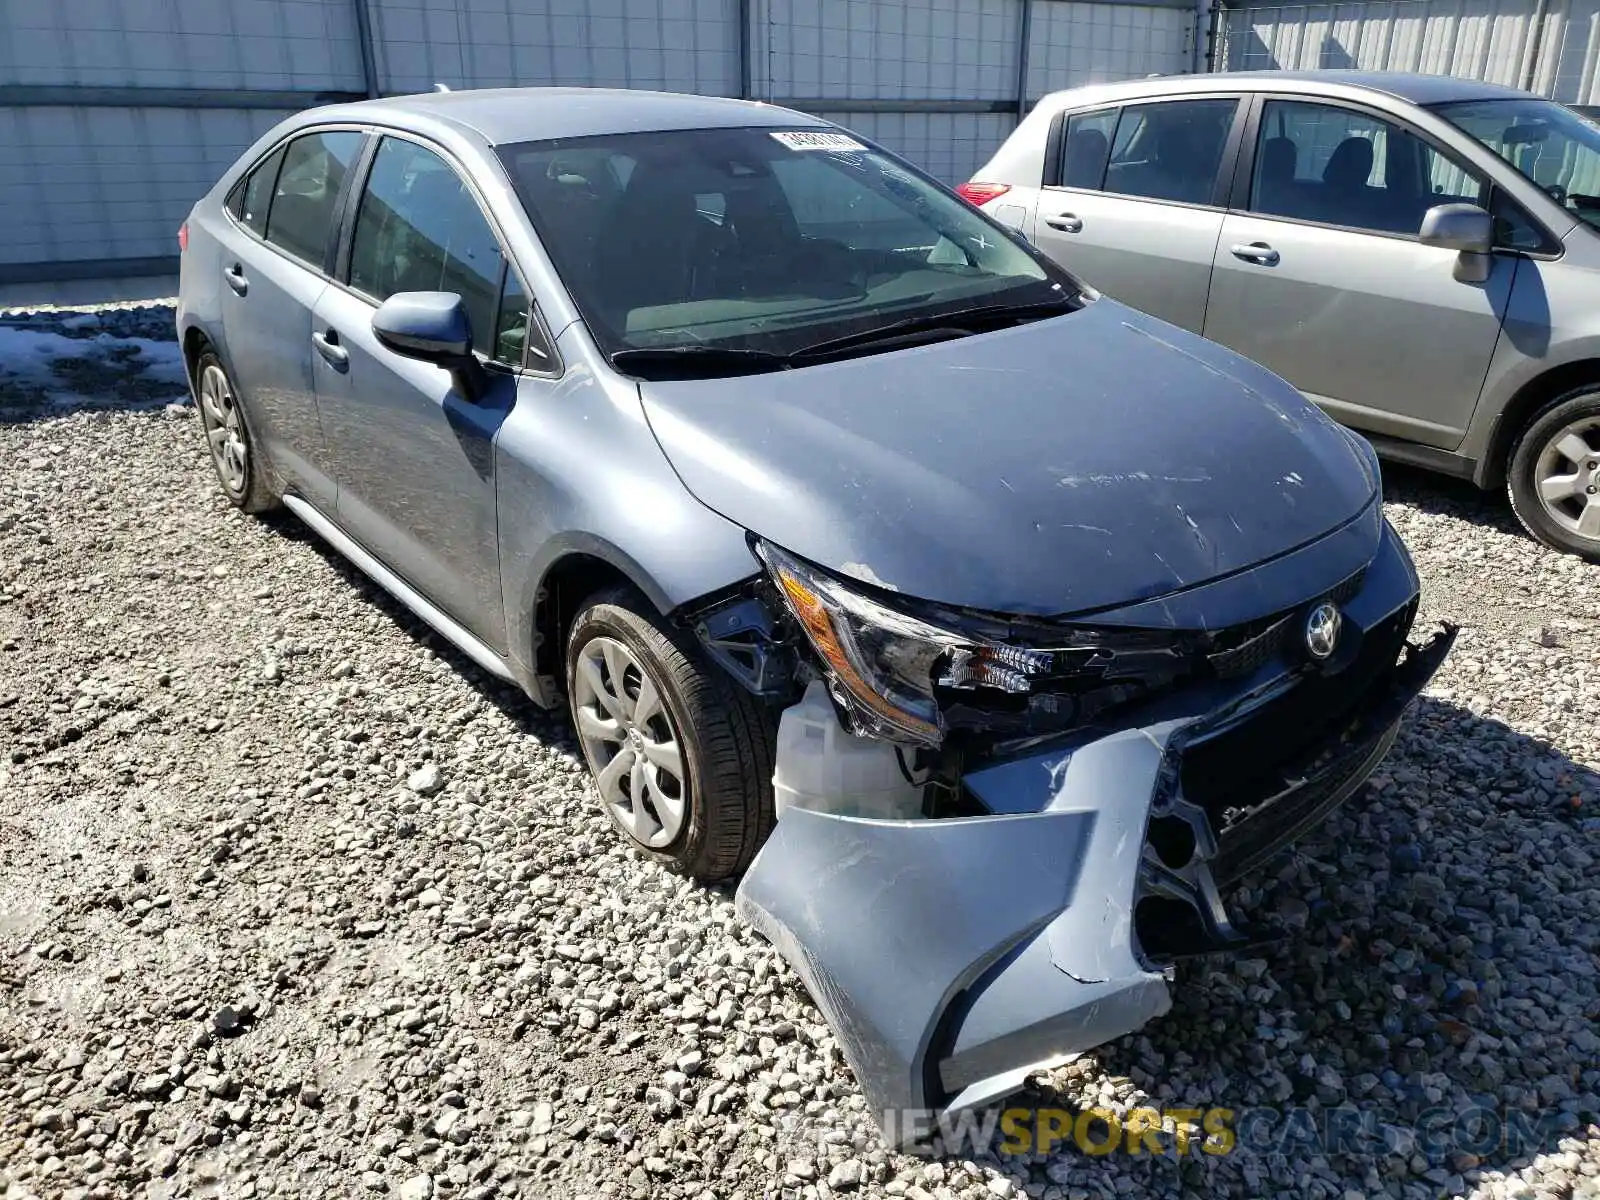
(432, 327)
(1465, 228)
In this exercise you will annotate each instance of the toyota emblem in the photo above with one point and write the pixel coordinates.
(1322, 631)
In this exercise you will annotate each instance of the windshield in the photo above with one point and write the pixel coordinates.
(760, 241)
(1548, 142)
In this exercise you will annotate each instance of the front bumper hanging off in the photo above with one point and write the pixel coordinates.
(955, 957)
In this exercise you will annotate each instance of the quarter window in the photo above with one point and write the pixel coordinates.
(418, 229)
(516, 333)
(1087, 148)
(306, 192)
(1338, 166)
(255, 193)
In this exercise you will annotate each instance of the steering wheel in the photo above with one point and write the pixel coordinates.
(1557, 192)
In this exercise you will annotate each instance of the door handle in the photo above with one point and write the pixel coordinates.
(1066, 222)
(1259, 253)
(235, 278)
(327, 345)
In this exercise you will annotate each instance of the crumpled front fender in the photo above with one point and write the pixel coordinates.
(954, 957)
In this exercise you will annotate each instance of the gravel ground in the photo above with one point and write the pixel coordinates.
(295, 900)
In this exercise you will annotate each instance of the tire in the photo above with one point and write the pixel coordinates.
(242, 470)
(1548, 458)
(725, 739)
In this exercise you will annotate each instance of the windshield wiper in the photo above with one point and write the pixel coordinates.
(699, 362)
(695, 362)
(962, 321)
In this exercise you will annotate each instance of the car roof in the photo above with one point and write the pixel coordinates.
(1416, 88)
(502, 115)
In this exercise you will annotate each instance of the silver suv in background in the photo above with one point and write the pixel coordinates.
(1420, 255)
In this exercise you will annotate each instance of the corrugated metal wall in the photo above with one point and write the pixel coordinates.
(1552, 48)
(162, 43)
(664, 45)
(116, 114)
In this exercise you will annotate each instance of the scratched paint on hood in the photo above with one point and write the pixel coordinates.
(1093, 459)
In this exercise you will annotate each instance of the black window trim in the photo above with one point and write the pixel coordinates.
(1238, 202)
(350, 205)
(1055, 155)
(338, 207)
(242, 186)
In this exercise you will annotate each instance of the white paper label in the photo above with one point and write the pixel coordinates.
(808, 140)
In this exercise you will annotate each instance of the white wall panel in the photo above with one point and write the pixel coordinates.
(887, 49)
(664, 45)
(1073, 44)
(267, 44)
(107, 183)
(1475, 39)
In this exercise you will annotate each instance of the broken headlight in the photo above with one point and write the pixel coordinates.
(906, 677)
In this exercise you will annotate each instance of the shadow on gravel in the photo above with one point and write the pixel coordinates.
(1428, 1012)
(1442, 495)
(522, 712)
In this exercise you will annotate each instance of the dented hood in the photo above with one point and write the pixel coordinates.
(1070, 464)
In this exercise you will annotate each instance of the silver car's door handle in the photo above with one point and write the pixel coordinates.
(328, 346)
(235, 277)
(1066, 222)
(1259, 253)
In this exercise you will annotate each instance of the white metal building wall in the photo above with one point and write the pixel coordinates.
(163, 43)
(86, 184)
(1077, 44)
(661, 45)
(116, 114)
(1552, 48)
(889, 49)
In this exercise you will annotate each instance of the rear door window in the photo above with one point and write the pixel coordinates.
(1170, 151)
(306, 192)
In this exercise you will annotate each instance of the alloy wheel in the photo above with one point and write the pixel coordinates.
(630, 742)
(224, 426)
(1567, 475)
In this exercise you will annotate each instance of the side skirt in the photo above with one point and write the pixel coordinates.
(478, 651)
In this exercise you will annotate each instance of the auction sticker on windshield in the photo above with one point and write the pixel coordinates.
(797, 140)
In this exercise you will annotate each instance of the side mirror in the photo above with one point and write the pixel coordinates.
(1465, 228)
(432, 327)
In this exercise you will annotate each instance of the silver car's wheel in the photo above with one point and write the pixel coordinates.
(1554, 474)
(1568, 477)
(629, 740)
(224, 430)
(240, 469)
(680, 754)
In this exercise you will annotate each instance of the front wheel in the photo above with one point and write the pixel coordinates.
(681, 756)
(1554, 475)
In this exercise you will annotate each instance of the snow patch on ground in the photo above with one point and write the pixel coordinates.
(47, 368)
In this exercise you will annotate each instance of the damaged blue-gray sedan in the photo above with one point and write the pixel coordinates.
(988, 628)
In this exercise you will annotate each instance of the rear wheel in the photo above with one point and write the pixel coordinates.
(239, 468)
(1554, 474)
(681, 756)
